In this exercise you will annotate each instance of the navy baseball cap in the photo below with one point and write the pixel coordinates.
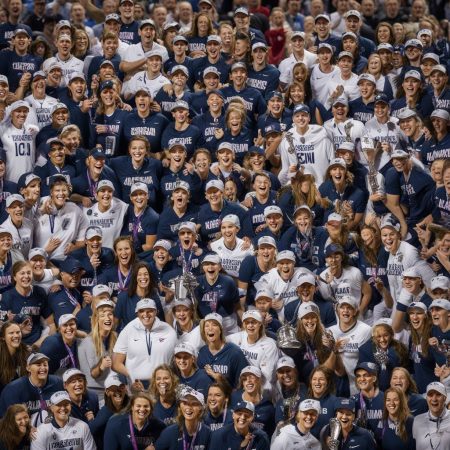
(97, 153)
(272, 128)
(381, 98)
(333, 248)
(216, 92)
(70, 265)
(272, 94)
(368, 367)
(344, 403)
(106, 85)
(301, 107)
(256, 149)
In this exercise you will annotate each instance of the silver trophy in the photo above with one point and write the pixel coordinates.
(287, 339)
(381, 357)
(335, 432)
(184, 286)
(444, 347)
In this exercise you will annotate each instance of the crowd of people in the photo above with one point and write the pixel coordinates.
(224, 224)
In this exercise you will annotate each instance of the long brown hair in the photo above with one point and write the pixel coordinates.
(9, 433)
(153, 390)
(193, 32)
(421, 337)
(412, 386)
(317, 344)
(403, 411)
(129, 239)
(14, 365)
(329, 375)
(133, 279)
(371, 254)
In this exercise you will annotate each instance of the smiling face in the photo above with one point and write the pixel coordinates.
(191, 408)
(287, 377)
(214, 197)
(251, 383)
(116, 394)
(307, 419)
(163, 381)
(183, 315)
(13, 337)
(24, 277)
(439, 316)
(417, 318)
(436, 403)
(319, 384)
(147, 317)
(412, 284)
(38, 372)
(242, 420)
(69, 330)
(19, 116)
(141, 409)
(177, 156)
(382, 337)
(390, 239)
(71, 280)
(61, 411)
(347, 314)
(184, 362)
(211, 270)
(392, 403)
(266, 253)
(105, 318)
(16, 211)
(309, 322)
(75, 386)
(225, 157)
(306, 292)
(252, 327)
(364, 380)
(212, 331)
(216, 400)
(22, 420)
(139, 199)
(187, 238)
(286, 268)
(274, 222)
(124, 252)
(399, 380)
(346, 417)
(104, 197)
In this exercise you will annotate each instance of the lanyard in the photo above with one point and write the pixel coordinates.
(148, 341)
(133, 437)
(123, 281)
(71, 356)
(136, 226)
(186, 264)
(92, 184)
(42, 402)
(186, 446)
(72, 299)
(51, 219)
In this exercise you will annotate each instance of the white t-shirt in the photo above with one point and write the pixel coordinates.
(353, 279)
(69, 66)
(351, 90)
(287, 64)
(41, 110)
(20, 147)
(231, 259)
(312, 150)
(354, 339)
(22, 237)
(263, 354)
(290, 439)
(337, 132)
(319, 83)
(111, 221)
(142, 360)
(69, 225)
(141, 80)
(135, 52)
(194, 338)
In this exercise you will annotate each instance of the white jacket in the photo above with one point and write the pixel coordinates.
(290, 439)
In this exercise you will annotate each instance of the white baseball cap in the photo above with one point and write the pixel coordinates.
(310, 405)
(233, 219)
(65, 318)
(307, 308)
(439, 282)
(185, 348)
(214, 316)
(253, 370)
(272, 209)
(286, 254)
(145, 303)
(285, 361)
(100, 289)
(252, 314)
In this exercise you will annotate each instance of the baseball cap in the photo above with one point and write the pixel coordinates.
(179, 68)
(106, 85)
(36, 357)
(322, 16)
(20, 104)
(441, 114)
(334, 217)
(348, 300)
(241, 10)
(145, 303)
(179, 104)
(212, 258)
(65, 318)
(286, 255)
(162, 243)
(385, 46)
(431, 56)
(299, 34)
(169, 25)
(301, 108)
(272, 209)
(185, 348)
(238, 65)
(70, 265)
(418, 305)
(334, 248)
(112, 380)
(93, 232)
(69, 373)
(413, 74)
(14, 198)
(307, 308)
(107, 62)
(233, 219)
(390, 221)
(187, 226)
(182, 302)
(346, 146)
(407, 113)
(253, 370)
(213, 70)
(344, 403)
(189, 392)
(108, 303)
(381, 98)
(310, 405)
(257, 45)
(439, 68)
(37, 251)
(4, 79)
(104, 184)
(439, 282)
(398, 153)
(217, 184)
(266, 240)
(239, 406)
(349, 34)
(180, 184)
(214, 316)
(272, 128)
(413, 43)
(214, 38)
(367, 77)
(412, 272)
(97, 153)
(440, 303)
(147, 22)
(101, 289)
(57, 106)
(340, 101)
(437, 387)
(424, 31)
(367, 366)
(305, 277)
(338, 162)
(252, 314)
(344, 54)
(112, 16)
(263, 293)
(58, 397)
(21, 31)
(77, 76)
(225, 146)
(285, 361)
(352, 12)
(138, 186)
(272, 94)
(178, 38)
(324, 45)
(39, 74)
